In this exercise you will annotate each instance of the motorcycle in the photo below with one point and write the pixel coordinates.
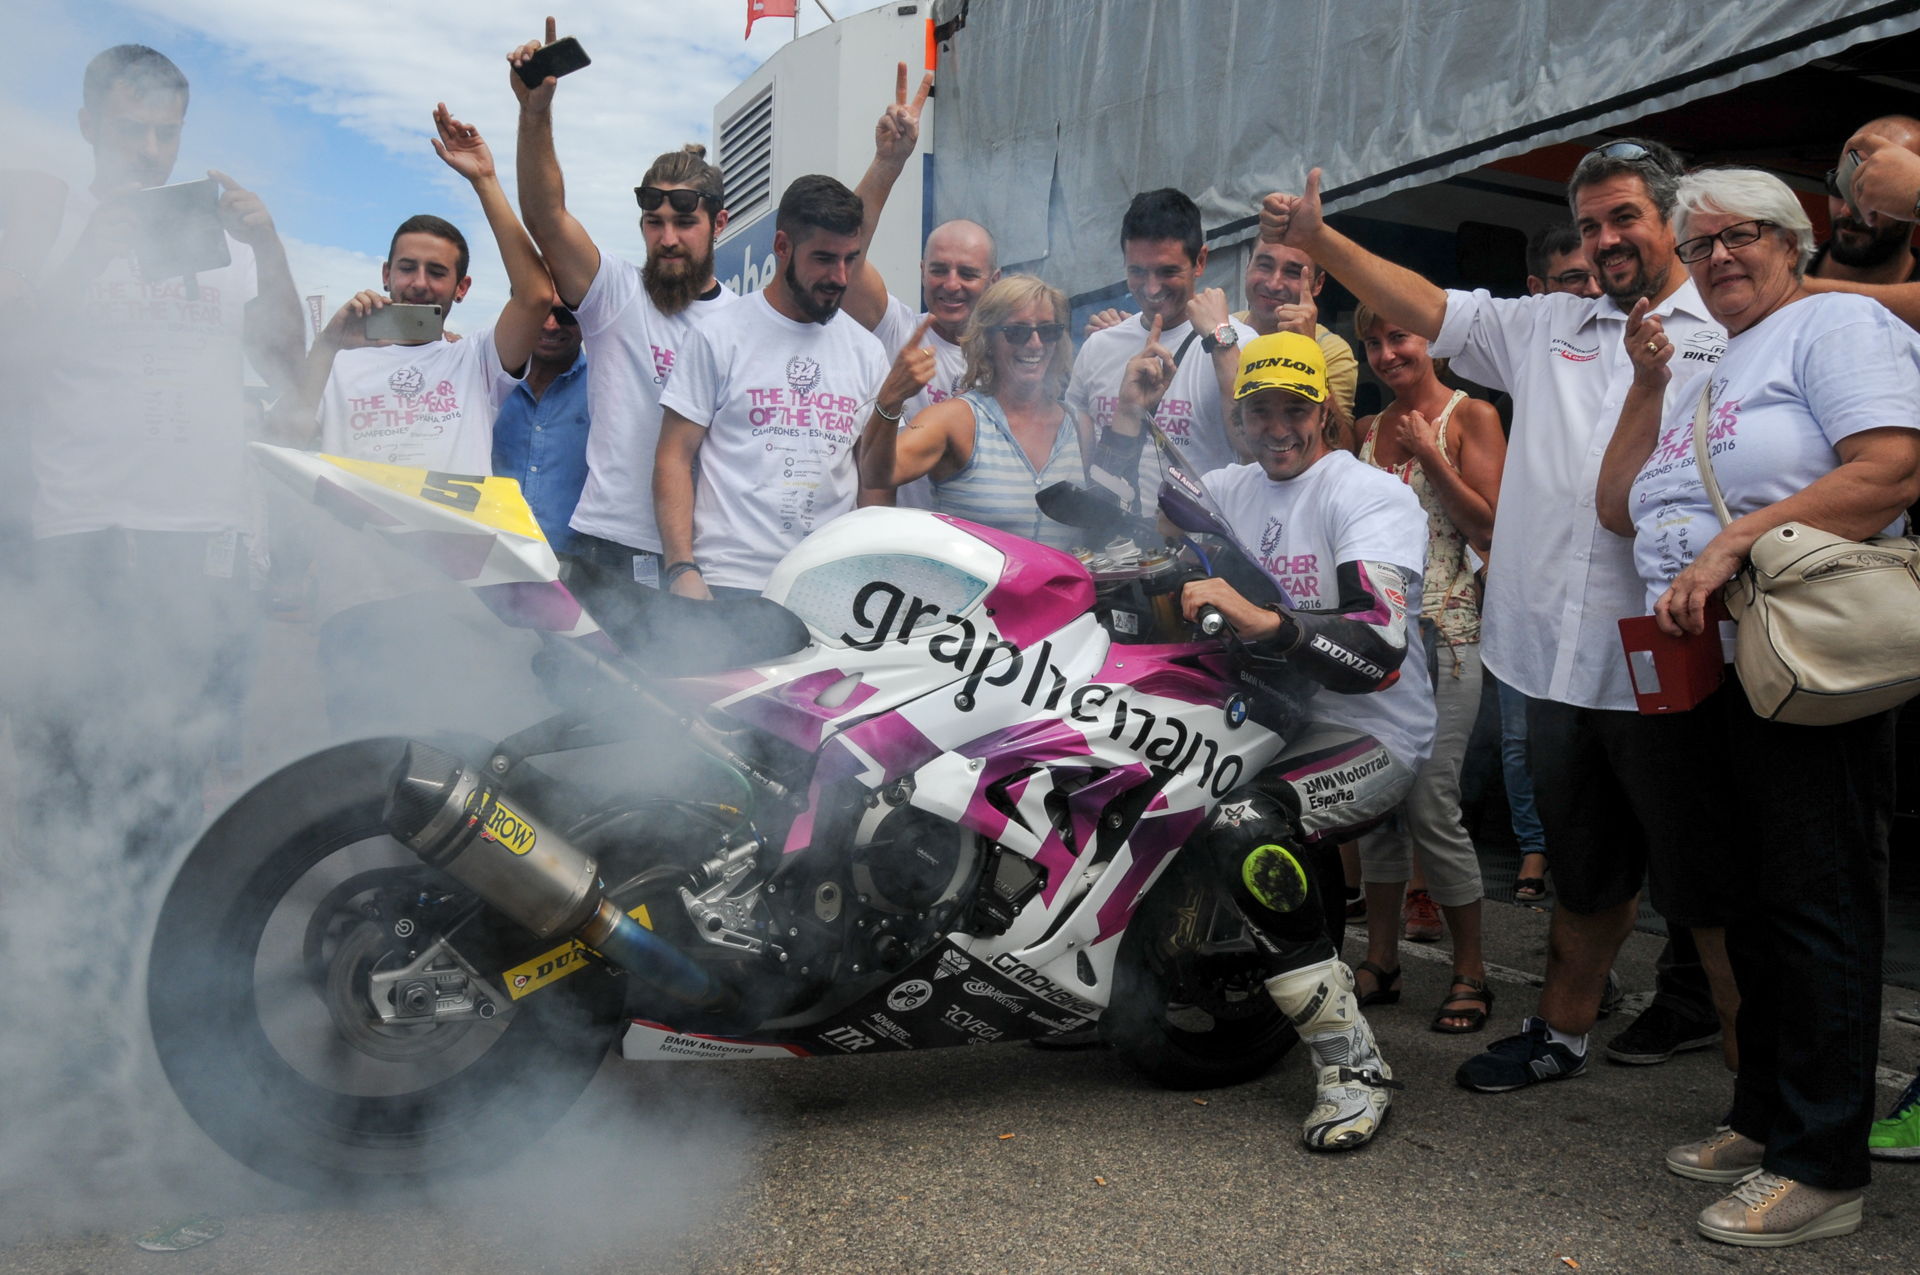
(931, 789)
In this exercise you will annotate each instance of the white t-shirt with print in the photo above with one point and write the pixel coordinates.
(1786, 390)
(141, 422)
(1191, 413)
(427, 406)
(631, 347)
(1341, 510)
(949, 365)
(783, 404)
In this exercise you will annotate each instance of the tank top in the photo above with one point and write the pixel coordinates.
(1450, 596)
(997, 485)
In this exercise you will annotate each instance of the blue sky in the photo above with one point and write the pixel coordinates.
(325, 108)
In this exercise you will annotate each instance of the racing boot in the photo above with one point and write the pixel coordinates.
(1355, 1083)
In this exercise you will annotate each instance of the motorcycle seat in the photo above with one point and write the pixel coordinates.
(680, 637)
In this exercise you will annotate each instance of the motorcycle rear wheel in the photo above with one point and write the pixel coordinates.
(1190, 1007)
(257, 1003)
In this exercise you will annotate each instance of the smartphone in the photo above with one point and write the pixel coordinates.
(408, 323)
(1843, 181)
(562, 57)
(178, 230)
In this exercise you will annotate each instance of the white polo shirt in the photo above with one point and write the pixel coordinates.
(1558, 583)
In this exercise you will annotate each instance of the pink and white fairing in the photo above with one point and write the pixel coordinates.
(971, 661)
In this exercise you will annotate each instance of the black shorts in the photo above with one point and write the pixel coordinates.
(1624, 798)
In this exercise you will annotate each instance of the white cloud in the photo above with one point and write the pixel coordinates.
(659, 66)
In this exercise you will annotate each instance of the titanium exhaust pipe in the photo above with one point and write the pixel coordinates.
(455, 822)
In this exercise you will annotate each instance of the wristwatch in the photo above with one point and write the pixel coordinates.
(1224, 337)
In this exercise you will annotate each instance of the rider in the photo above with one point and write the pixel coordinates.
(1347, 542)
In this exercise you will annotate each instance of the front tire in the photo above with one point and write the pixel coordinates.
(1190, 1006)
(257, 995)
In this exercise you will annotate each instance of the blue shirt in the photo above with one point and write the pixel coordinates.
(543, 443)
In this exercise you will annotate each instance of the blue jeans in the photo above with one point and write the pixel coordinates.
(1513, 765)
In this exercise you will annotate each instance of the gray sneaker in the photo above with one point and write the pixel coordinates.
(1725, 1157)
(1769, 1211)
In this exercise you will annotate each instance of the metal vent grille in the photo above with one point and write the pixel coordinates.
(746, 157)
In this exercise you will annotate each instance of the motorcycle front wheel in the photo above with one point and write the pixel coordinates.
(259, 1000)
(1190, 1005)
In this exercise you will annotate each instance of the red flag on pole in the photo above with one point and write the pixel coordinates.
(758, 9)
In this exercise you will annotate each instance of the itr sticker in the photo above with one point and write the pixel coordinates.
(222, 548)
(646, 569)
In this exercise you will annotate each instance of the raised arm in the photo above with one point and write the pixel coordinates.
(570, 252)
(531, 301)
(275, 335)
(894, 138)
(1640, 415)
(1395, 293)
(295, 419)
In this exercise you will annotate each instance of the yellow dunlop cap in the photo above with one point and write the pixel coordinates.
(1283, 361)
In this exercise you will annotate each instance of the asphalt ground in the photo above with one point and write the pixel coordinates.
(1008, 1159)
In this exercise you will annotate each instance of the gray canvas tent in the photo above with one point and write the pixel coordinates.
(1054, 112)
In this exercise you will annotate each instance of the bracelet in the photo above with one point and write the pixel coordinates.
(674, 570)
(885, 415)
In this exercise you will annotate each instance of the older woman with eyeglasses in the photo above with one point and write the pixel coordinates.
(1006, 435)
(1815, 417)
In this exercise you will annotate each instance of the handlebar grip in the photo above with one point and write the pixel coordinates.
(1212, 623)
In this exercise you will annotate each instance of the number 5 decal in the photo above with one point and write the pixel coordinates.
(462, 491)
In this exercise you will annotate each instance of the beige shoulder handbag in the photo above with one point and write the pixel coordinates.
(1829, 627)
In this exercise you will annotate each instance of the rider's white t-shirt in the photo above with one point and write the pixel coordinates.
(1341, 510)
(783, 404)
(631, 347)
(426, 406)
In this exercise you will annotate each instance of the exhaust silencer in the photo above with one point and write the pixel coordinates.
(449, 816)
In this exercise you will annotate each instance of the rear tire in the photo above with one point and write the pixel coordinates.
(256, 993)
(1190, 1006)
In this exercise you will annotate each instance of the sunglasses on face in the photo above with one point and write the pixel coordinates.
(1738, 235)
(1021, 333)
(564, 317)
(681, 200)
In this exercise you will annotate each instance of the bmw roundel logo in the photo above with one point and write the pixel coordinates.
(1236, 711)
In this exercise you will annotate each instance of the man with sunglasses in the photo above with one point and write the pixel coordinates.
(634, 320)
(767, 401)
(1868, 252)
(1161, 241)
(1561, 581)
(540, 435)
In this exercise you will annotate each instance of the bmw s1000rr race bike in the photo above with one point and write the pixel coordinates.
(931, 789)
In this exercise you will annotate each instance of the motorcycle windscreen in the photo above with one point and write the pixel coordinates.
(476, 528)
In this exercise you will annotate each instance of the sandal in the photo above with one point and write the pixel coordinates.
(1477, 990)
(1386, 989)
(1531, 889)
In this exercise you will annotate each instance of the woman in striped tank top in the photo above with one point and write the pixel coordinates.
(1006, 435)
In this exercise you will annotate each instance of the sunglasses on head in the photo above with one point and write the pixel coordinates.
(564, 317)
(682, 200)
(1021, 333)
(1622, 150)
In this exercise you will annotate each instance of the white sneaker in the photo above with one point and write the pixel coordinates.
(1355, 1084)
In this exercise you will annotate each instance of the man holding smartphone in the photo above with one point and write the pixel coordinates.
(634, 320)
(389, 386)
(140, 509)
